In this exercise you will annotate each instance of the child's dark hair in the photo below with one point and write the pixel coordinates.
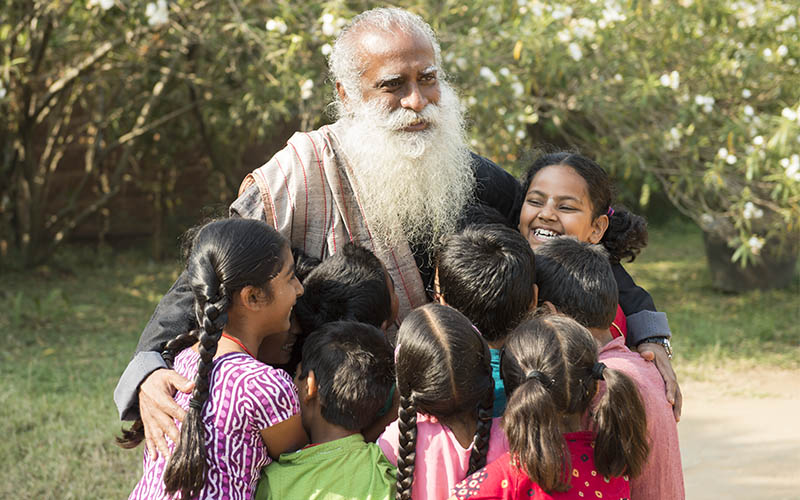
(626, 235)
(619, 421)
(348, 285)
(576, 277)
(487, 272)
(226, 256)
(443, 369)
(303, 263)
(354, 369)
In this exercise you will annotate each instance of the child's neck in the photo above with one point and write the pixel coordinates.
(238, 329)
(602, 336)
(322, 431)
(463, 426)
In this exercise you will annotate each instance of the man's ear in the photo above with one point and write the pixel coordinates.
(341, 92)
(599, 227)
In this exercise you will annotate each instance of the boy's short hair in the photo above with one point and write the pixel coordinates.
(353, 364)
(576, 277)
(487, 272)
(348, 285)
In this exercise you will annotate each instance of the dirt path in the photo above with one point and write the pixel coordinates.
(740, 436)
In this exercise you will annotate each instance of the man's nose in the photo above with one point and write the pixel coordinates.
(414, 100)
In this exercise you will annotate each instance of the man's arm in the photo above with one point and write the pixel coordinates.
(640, 310)
(495, 187)
(173, 315)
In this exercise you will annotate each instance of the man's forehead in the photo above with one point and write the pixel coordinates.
(394, 43)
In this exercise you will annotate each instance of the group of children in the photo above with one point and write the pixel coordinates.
(515, 382)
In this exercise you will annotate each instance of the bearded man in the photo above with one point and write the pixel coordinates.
(393, 174)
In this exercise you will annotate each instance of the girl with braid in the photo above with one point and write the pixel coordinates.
(242, 413)
(557, 449)
(444, 429)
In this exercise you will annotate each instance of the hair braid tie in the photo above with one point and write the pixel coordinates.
(597, 371)
(546, 381)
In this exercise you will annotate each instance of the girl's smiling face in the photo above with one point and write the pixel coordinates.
(557, 203)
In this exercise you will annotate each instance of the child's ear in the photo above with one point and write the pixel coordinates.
(599, 227)
(535, 301)
(550, 307)
(311, 385)
(251, 297)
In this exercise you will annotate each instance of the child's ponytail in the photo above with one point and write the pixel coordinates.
(535, 376)
(185, 471)
(407, 449)
(620, 426)
(626, 235)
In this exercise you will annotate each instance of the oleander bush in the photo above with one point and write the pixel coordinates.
(699, 101)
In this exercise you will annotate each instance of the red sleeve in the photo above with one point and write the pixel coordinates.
(499, 480)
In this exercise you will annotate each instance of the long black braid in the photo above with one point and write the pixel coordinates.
(407, 449)
(480, 446)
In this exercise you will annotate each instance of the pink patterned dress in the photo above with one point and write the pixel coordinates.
(245, 396)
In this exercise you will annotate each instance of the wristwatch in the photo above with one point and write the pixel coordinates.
(662, 341)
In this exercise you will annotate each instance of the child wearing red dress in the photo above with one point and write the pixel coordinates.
(551, 371)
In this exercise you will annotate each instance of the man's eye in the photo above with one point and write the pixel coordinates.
(535, 203)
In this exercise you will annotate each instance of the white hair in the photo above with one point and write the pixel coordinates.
(345, 64)
(412, 186)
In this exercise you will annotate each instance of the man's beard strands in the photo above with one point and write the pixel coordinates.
(413, 186)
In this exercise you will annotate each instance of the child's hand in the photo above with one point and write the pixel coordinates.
(657, 353)
(158, 409)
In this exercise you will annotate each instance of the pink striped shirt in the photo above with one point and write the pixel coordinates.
(245, 396)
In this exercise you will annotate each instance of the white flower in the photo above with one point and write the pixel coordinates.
(328, 26)
(730, 159)
(767, 53)
(707, 102)
(504, 72)
(748, 110)
(787, 24)
(784, 162)
(789, 114)
(488, 75)
(707, 219)
(104, 4)
(520, 134)
(782, 50)
(518, 89)
(2, 91)
(326, 49)
(751, 211)
(306, 88)
(746, 93)
(792, 167)
(564, 36)
(618, 77)
(461, 63)
(276, 25)
(755, 244)
(472, 101)
(157, 13)
(671, 80)
(758, 140)
(575, 51)
(722, 153)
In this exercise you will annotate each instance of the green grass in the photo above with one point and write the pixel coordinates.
(66, 337)
(712, 329)
(69, 329)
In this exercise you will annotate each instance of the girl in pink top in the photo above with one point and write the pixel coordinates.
(444, 430)
(551, 370)
(242, 412)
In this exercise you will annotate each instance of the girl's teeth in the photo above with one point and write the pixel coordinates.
(544, 233)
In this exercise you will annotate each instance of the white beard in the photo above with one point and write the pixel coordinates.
(413, 186)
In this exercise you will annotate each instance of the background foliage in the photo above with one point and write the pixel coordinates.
(695, 101)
